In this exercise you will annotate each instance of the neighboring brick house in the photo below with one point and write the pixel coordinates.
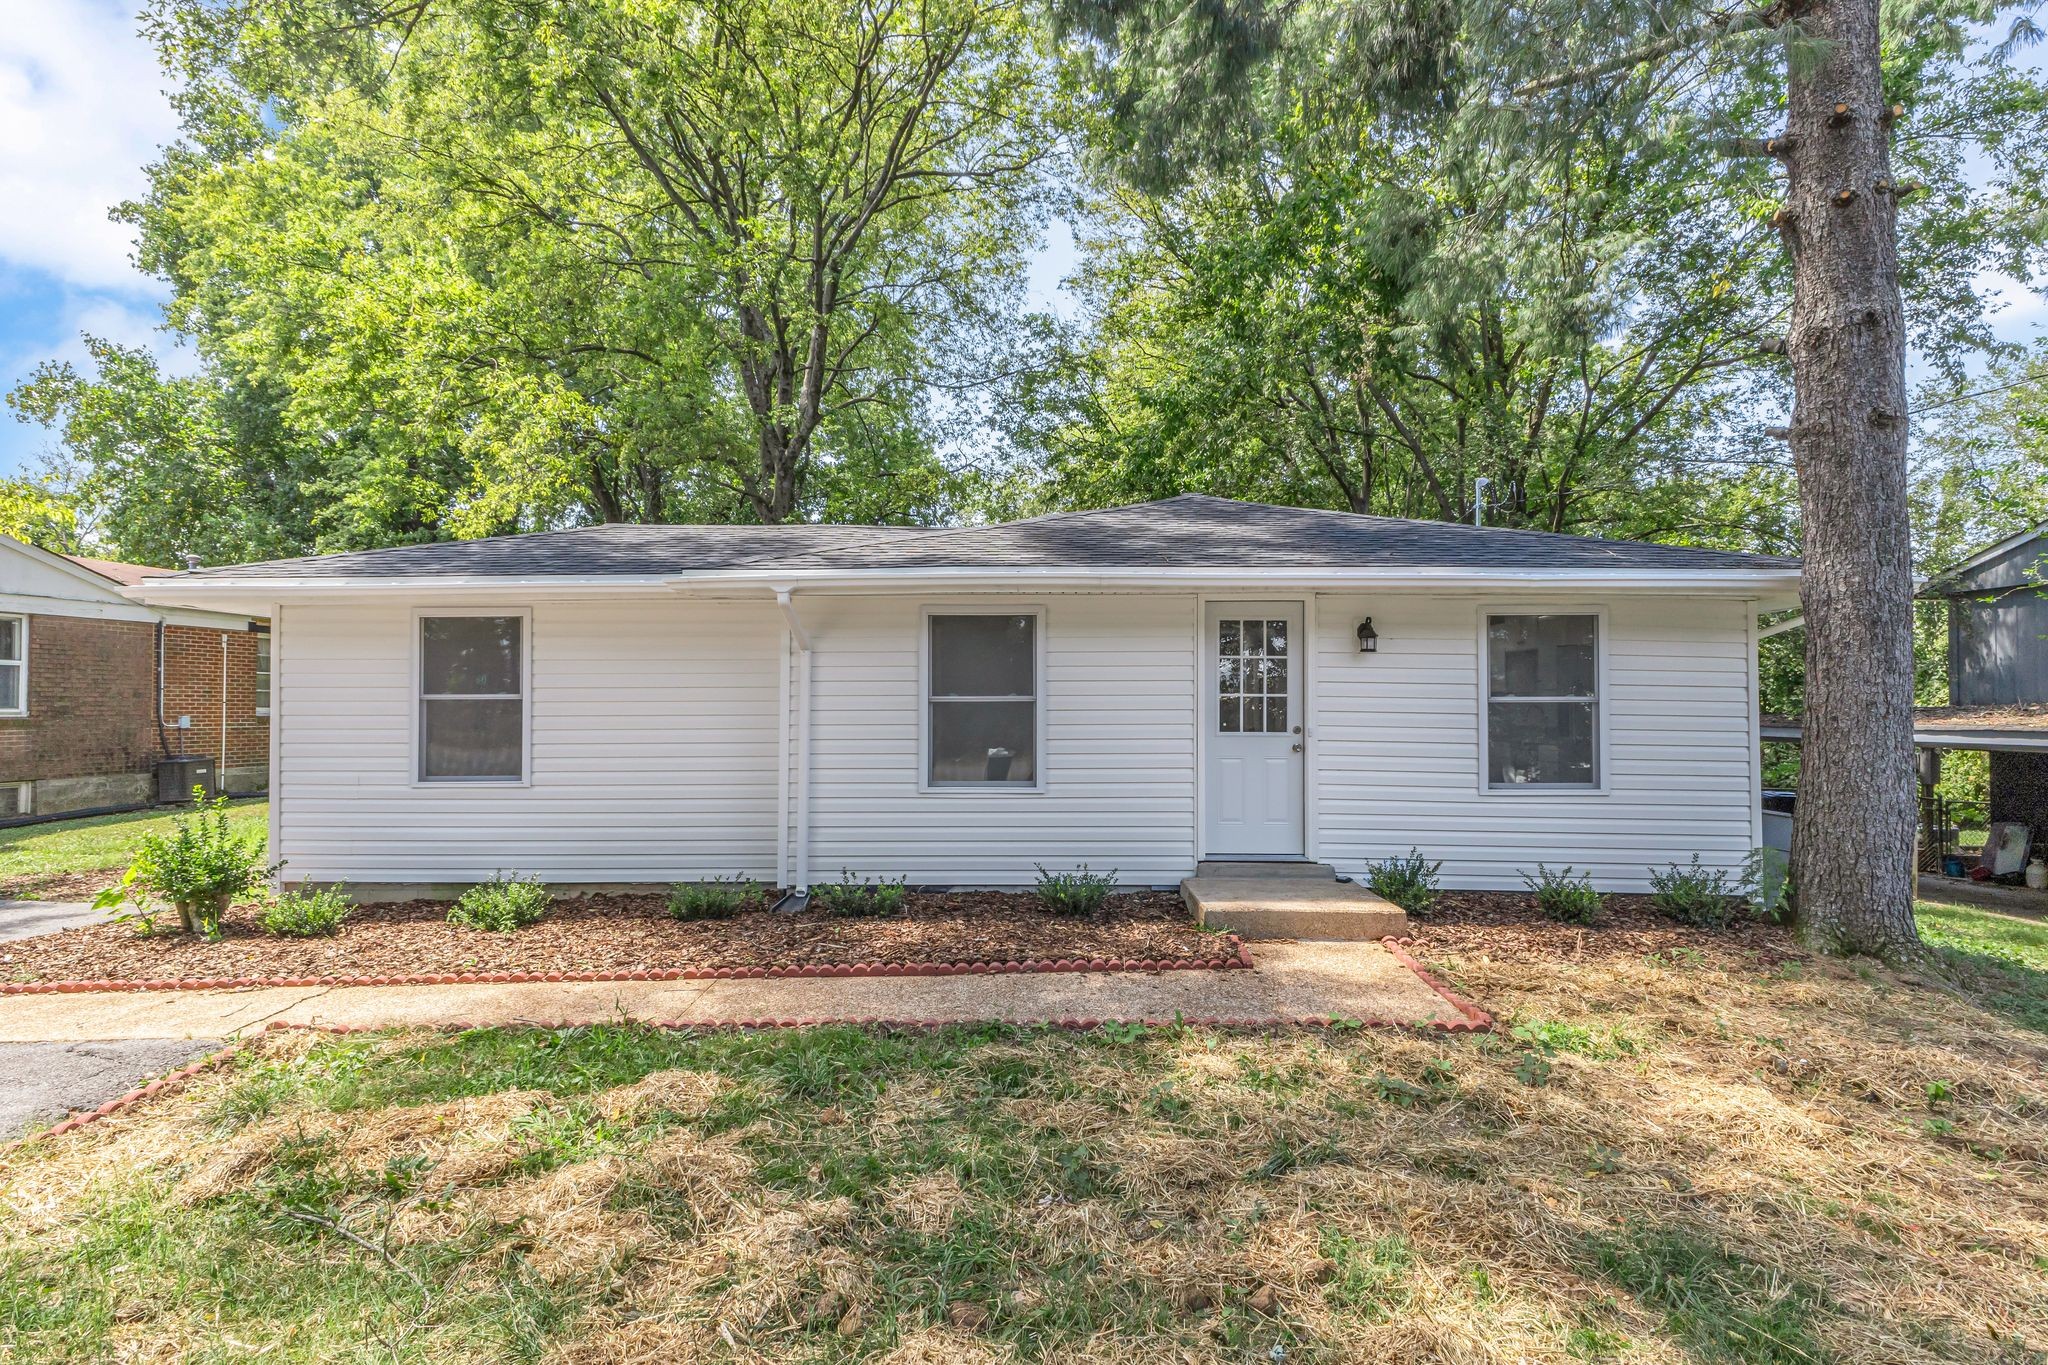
(96, 689)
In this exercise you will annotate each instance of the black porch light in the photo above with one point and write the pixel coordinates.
(1368, 638)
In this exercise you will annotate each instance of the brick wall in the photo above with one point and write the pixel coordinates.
(91, 693)
(192, 683)
(92, 699)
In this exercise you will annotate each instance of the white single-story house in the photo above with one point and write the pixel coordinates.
(1134, 689)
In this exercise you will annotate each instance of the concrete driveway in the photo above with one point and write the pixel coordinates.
(42, 1082)
(26, 919)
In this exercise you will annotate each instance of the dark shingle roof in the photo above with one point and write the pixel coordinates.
(1189, 531)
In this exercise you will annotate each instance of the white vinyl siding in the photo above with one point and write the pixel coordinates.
(1117, 746)
(652, 735)
(1398, 751)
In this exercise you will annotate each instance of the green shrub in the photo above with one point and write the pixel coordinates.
(1767, 881)
(863, 897)
(1702, 897)
(715, 899)
(306, 914)
(1561, 896)
(198, 868)
(500, 905)
(1408, 882)
(1076, 893)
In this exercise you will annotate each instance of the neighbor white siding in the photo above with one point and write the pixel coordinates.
(1397, 744)
(1118, 748)
(654, 730)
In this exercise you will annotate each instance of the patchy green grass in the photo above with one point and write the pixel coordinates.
(2004, 956)
(1749, 1178)
(32, 855)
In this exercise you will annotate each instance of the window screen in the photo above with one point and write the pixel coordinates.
(983, 702)
(1542, 701)
(472, 698)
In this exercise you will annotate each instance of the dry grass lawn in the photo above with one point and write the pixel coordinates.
(1705, 1153)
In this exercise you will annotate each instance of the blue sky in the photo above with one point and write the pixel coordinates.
(82, 110)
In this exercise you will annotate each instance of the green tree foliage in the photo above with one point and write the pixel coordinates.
(32, 513)
(459, 267)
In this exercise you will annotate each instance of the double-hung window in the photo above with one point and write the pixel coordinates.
(263, 674)
(1543, 702)
(13, 665)
(472, 719)
(981, 699)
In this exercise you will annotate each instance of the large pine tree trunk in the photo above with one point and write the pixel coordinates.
(1852, 839)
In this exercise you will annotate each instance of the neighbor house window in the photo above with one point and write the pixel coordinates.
(981, 702)
(1542, 701)
(13, 665)
(263, 675)
(472, 698)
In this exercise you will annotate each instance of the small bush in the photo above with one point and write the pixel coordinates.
(1076, 893)
(1408, 882)
(1702, 897)
(197, 868)
(1563, 897)
(863, 897)
(306, 914)
(715, 899)
(1767, 882)
(500, 905)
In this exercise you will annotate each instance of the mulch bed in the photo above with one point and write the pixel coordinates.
(60, 886)
(1507, 926)
(618, 934)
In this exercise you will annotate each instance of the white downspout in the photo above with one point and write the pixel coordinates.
(802, 796)
(220, 774)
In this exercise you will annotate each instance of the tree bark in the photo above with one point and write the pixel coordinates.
(1852, 839)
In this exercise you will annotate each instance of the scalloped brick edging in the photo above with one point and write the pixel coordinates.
(161, 1085)
(1238, 959)
(1477, 1020)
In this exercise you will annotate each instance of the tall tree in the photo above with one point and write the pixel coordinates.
(1470, 73)
(487, 265)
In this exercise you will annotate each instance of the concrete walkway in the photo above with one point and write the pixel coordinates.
(42, 1082)
(27, 919)
(1291, 980)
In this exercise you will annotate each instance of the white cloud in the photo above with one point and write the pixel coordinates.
(82, 110)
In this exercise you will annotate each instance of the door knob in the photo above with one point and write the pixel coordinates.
(1296, 746)
(1297, 729)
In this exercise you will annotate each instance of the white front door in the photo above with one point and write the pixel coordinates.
(1252, 797)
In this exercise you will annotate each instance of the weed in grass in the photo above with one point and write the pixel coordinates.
(1370, 1278)
(1720, 1305)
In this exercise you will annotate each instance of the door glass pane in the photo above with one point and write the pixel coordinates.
(982, 656)
(1541, 656)
(1227, 712)
(469, 655)
(1543, 742)
(1276, 715)
(463, 738)
(1276, 637)
(1229, 637)
(1254, 715)
(984, 741)
(1276, 677)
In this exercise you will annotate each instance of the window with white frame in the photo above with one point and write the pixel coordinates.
(1543, 701)
(13, 665)
(472, 698)
(981, 699)
(263, 674)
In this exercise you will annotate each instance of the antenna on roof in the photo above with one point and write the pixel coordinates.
(1479, 487)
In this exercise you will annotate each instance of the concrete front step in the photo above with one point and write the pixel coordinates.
(1293, 870)
(1268, 907)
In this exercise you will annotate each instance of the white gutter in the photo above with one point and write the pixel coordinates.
(177, 590)
(1790, 623)
(801, 744)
